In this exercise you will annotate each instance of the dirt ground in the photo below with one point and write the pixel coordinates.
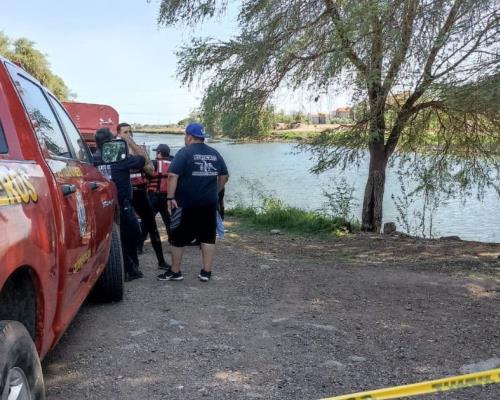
(291, 318)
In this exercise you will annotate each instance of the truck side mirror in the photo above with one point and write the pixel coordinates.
(114, 151)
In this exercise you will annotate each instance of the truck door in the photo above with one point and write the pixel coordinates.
(75, 219)
(102, 192)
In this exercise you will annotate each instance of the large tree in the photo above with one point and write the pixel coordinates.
(23, 52)
(424, 73)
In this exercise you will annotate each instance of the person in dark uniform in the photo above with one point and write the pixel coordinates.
(140, 200)
(119, 173)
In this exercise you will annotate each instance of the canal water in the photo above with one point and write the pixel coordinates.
(281, 171)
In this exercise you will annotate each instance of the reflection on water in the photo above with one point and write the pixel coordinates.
(282, 172)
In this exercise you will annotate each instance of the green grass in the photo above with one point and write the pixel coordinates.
(293, 135)
(275, 215)
(169, 131)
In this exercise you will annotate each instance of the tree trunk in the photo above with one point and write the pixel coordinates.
(374, 191)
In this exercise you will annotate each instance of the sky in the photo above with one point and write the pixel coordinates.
(113, 52)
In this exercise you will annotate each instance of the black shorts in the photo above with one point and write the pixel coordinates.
(196, 223)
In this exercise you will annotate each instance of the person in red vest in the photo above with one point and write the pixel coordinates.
(158, 183)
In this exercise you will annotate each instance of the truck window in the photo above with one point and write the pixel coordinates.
(3, 142)
(42, 117)
(81, 149)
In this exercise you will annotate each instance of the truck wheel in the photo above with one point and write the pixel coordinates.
(20, 371)
(109, 286)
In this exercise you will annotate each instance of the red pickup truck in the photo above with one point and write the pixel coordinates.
(59, 223)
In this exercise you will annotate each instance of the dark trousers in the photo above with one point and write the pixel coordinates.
(130, 235)
(220, 203)
(159, 205)
(143, 208)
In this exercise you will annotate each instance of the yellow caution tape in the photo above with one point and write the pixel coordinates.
(439, 385)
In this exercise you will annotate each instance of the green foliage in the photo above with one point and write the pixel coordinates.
(241, 211)
(294, 136)
(5, 49)
(247, 123)
(23, 52)
(339, 199)
(194, 116)
(241, 120)
(417, 207)
(295, 117)
(274, 214)
(260, 209)
(422, 72)
(340, 121)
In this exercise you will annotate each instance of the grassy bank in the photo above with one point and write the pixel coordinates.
(276, 215)
(163, 130)
(275, 136)
(286, 135)
(289, 135)
(292, 135)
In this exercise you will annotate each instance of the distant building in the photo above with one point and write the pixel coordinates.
(318, 119)
(344, 112)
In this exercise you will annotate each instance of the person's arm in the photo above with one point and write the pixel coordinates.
(172, 187)
(221, 182)
(223, 175)
(130, 163)
(135, 149)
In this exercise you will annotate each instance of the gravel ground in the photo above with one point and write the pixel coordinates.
(290, 318)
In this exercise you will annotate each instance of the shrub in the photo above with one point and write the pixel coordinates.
(274, 214)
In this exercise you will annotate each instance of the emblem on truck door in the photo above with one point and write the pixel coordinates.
(16, 187)
(107, 203)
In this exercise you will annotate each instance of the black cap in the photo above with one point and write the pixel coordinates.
(163, 149)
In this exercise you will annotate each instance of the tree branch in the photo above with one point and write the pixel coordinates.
(425, 79)
(428, 104)
(467, 53)
(311, 57)
(438, 44)
(401, 120)
(400, 55)
(376, 53)
(346, 44)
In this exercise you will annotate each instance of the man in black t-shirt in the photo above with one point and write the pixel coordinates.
(196, 175)
(119, 173)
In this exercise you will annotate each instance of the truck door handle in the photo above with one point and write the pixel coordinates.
(68, 189)
(93, 185)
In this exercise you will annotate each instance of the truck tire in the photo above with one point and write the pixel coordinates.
(20, 371)
(109, 286)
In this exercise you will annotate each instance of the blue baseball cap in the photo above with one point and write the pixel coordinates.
(196, 130)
